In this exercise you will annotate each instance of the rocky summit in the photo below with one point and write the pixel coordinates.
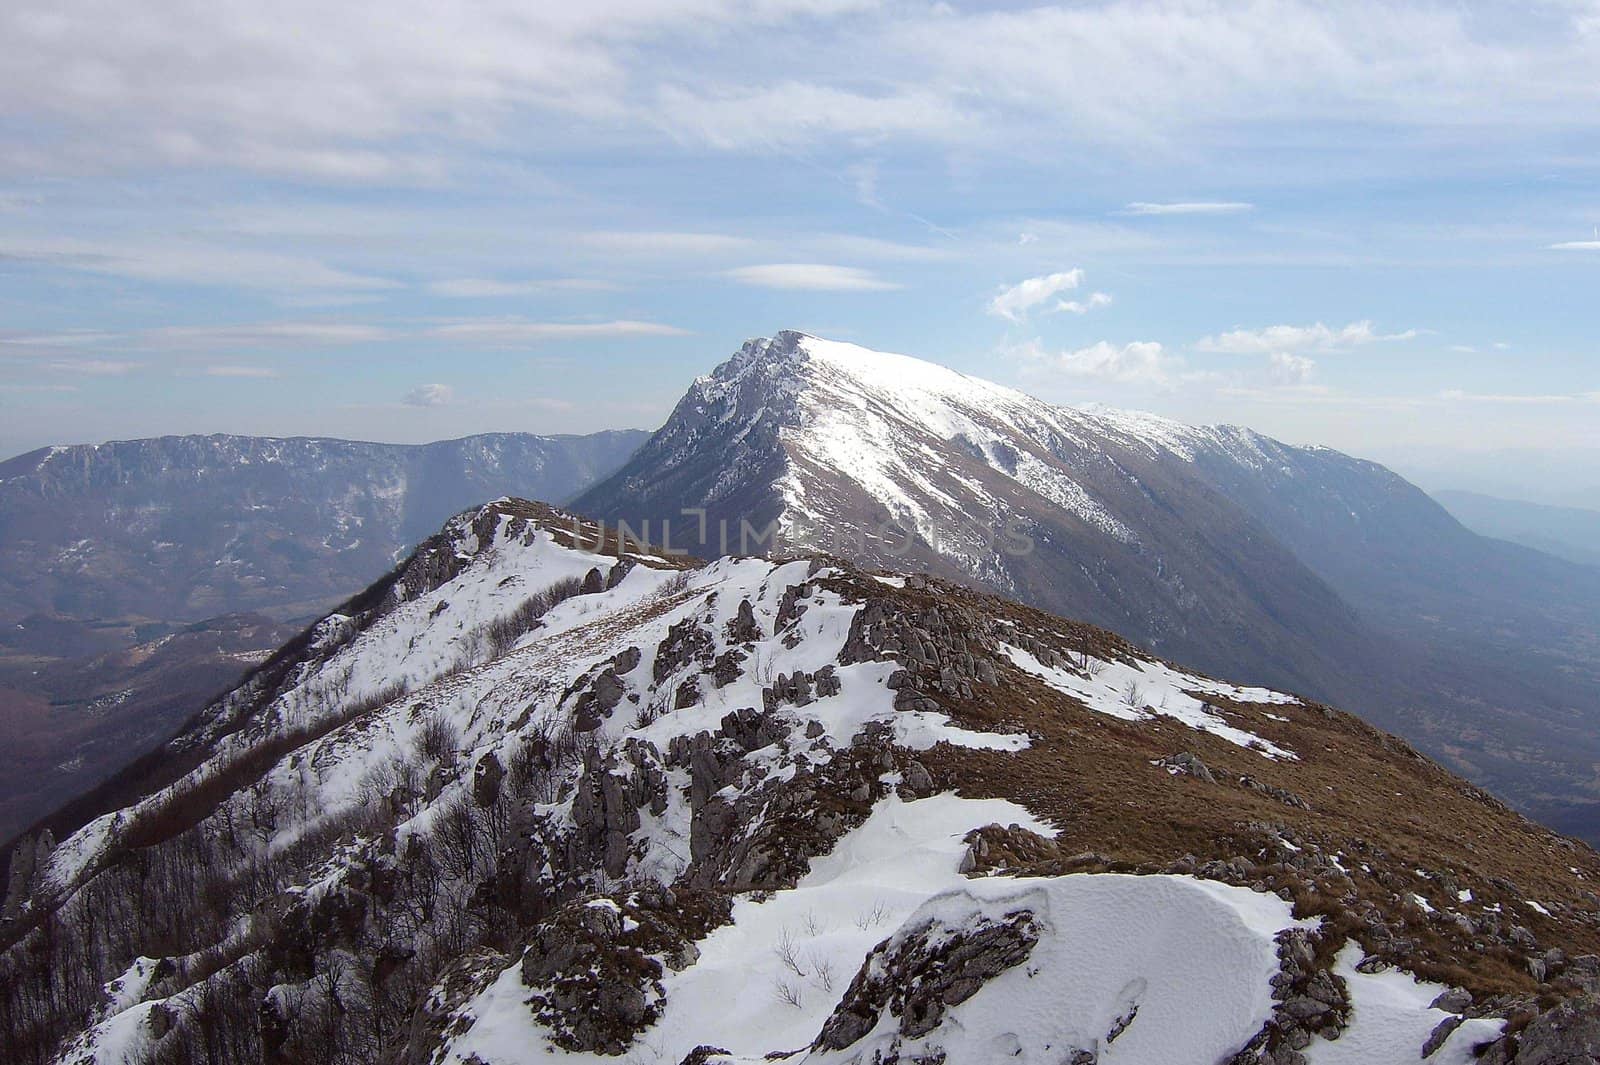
(549, 794)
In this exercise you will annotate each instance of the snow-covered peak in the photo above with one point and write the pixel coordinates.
(792, 362)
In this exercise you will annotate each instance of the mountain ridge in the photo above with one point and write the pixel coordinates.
(108, 551)
(1572, 533)
(537, 793)
(1298, 567)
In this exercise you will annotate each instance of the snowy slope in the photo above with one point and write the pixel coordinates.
(1112, 944)
(803, 443)
(546, 797)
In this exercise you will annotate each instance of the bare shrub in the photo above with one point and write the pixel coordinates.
(788, 952)
(822, 972)
(789, 993)
(462, 835)
(438, 740)
(873, 916)
(501, 634)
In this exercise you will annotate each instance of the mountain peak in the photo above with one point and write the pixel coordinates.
(823, 445)
(803, 359)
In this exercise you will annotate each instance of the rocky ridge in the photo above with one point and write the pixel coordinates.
(541, 792)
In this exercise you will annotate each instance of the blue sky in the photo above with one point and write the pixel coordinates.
(1367, 225)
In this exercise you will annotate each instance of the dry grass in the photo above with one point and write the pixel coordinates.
(1373, 800)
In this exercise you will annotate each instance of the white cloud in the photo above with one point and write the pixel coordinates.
(1196, 207)
(1576, 245)
(1142, 362)
(1096, 299)
(813, 277)
(1292, 338)
(1022, 299)
(487, 288)
(431, 395)
(1288, 370)
(513, 331)
(338, 95)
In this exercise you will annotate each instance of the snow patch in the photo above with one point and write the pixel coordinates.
(1141, 690)
(1391, 1019)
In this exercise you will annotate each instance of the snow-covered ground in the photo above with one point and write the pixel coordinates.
(1193, 958)
(1391, 1018)
(1140, 690)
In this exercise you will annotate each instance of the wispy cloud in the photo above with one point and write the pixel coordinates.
(1188, 207)
(1142, 70)
(814, 277)
(93, 367)
(241, 371)
(513, 331)
(1042, 294)
(1293, 338)
(185, 338)
(1455, 395)
(13, 387)
(264, 334)
(168, 261)
(653, 243)
(855, 246)
(1576, 245)
(488, 288)
(793, 113)
(48, 342)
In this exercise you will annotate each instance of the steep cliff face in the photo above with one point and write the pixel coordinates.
(545, 795)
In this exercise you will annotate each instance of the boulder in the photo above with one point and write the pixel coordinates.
(1566, 1035)
(1189, 764)
(918, 974)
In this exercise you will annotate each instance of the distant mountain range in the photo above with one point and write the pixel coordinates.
(138, 578)
(1298, 567)
(1571, 533)
(187, 527)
